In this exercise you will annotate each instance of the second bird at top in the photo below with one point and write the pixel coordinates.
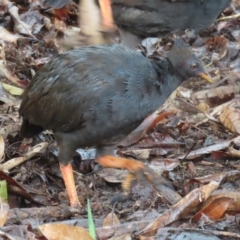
(138, 19)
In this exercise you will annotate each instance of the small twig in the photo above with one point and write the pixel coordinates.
(189, 151)
(229, 17)
(200, 130)
(203, 121)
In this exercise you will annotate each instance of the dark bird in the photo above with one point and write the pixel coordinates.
(95, 96)
(138, 19)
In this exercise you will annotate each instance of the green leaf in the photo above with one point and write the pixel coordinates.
(3, 191)
(12, 90)
(91, 225)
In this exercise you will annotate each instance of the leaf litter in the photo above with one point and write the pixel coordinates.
(193, 139)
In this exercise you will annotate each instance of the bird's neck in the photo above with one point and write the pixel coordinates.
(168, 78)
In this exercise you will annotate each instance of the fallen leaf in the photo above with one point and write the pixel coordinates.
(110, 220)
(214, 210)
(113, 175)
(3, 213)
(19, 25)
(230, 119)
(13, 90)
(7, 36)
(58, 231)
(2, 147)
(37, 149)
(217, 44)
(215, 96)
(235, 196)
(147, 125)
(183, 207)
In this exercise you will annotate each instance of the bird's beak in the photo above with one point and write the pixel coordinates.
(205, 76)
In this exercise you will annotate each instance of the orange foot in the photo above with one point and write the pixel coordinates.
(107, 18)
(67, 174)
(137, 170)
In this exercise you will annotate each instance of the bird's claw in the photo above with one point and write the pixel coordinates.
(146, 176)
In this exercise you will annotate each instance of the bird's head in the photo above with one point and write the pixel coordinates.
(185, 62)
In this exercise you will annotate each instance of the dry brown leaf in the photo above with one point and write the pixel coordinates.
(203, 107)
(212, 177)
(219, 155)
(214, 210)
(233, 149)
(169, 194)
(147, 125)
(230, 119)
(7, 36)
(138, 153)
(217, 44)
(183, 207)
(113, 175)
(2, 147)
(60, 231)
(4, 95)
(4, 72)
(3, 213)
(165, 164)
(206, 150)
(110, 220)
(20, 26)
(10, 129)
(146, 238)
(39, 148)
(235, 196)
(122, 237)
(216, 96)
(61, 13)
(192, 168)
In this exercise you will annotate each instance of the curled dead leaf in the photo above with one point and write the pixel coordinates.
(230, 118)
(183, 207)
(214, 210)
(235, 196)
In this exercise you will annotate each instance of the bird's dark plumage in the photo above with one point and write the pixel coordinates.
(138, 19)
(97, 95)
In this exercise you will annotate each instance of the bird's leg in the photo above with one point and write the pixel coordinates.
(136, 168)
(68, 178)
(106, 12)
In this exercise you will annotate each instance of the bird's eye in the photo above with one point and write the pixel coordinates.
(194, 66)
